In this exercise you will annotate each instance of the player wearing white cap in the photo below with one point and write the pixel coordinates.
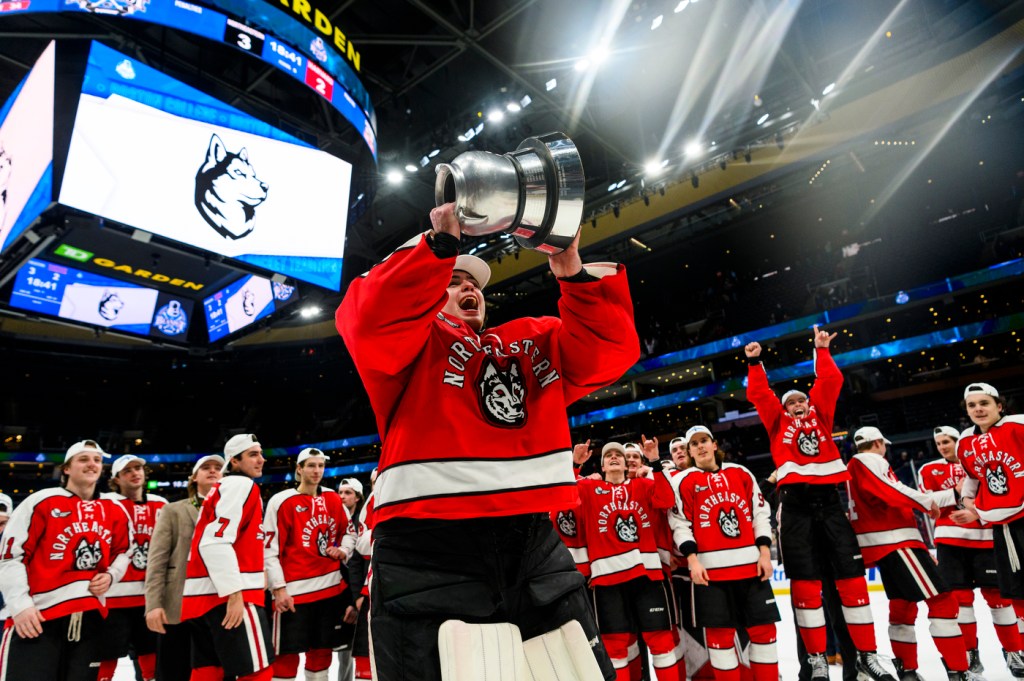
(124, 629)
(966, 559)
(62, 550)
(225, 580)
(992, 454)
(476, 443)
(303, 528)
(355, 660)
(165, 572)
(882, 512)
(815, 538)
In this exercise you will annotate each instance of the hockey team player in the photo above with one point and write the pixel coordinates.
(124, 629)
(166, 568)
(225, 581)
(356, 544)
(815, 537)
(62, 550)
(476, 443)
(303, 529)
(724, 532)
(630, 589)
(882, 512)
(966, 560)
(992, 455)
(678, 451)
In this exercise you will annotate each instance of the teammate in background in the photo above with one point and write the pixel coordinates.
(636, 465)
(165, 572)
(225, 581)
(352, 500)
(356, 543)
(476, 443)
(815, 537)
(966, 560)
(630, 591)
(303, 528)
(724, 532)
(992, 454)
(62, 550)
(678, 451)
(6, 508)
(882, 511)
(124, 629)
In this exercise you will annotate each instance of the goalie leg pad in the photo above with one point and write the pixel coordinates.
(470, 652)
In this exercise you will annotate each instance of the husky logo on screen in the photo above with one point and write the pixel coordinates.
(114, 7)
(141, 556)
(248, 302)
(87, 556)
(502, 394)
(6, 164)
(626, 530)
(808, 443)
(318, 49)
(995, 478)
(228, 191)
(110, 306)
(567, 523)
(171, 319)
(729, 523)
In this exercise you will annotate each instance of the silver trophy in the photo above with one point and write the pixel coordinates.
(534, 193)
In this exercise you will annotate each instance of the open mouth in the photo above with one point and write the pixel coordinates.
(469, 303)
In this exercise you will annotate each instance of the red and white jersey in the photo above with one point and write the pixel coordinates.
(939, 475)
(996, 461)
(299, 528)
(802, 448)
(569, 527)
(723, 518)
(227, 548)
(130, 592)
(617, 529)
(54, 543)
(474, 424)
(882, 508)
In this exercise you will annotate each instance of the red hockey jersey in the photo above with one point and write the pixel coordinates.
(474, 424)
(939, 475)
(723, 518)
(227, 548)
(802, 448)
(617, 530)
(298, 529)
(130, 592)
(995, 460)
(54, 543)
(882, 508)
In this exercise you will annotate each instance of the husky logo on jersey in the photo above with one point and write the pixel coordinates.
(626, 529)
(141, 556)
(321, 543)
(502, 394)
(995, 478)
(567, 523)
(808, 443)
(729, 523)
(87, 556)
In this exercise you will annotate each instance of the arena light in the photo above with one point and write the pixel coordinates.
(828, 88)
(394, 177)
(681, 6)
(693, 149)
(310, 311)
(657, 22)
(495, 116)
(433, 153)
(653, 167)
(551, 84)
(513, 107)
(410, 168)
(762, 119)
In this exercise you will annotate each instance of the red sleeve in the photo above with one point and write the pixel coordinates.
(879, 481)
(386, 315)
(760, 393)
(827, 384)
(662, 495)
(597, 338)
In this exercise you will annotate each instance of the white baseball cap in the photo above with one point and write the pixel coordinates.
(352, 484)
(84, 446)
(698, 429)
(633, 447)
(477, 268)
(203, 459)
(791, 393)
(946, 430)
(609, 446)
(869, 434)
(308, 453)
(673, 441)
(6, 505)
(122, 461)
(238, 444)
(980, 388)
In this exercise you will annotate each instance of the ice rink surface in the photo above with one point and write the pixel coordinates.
(931, 667)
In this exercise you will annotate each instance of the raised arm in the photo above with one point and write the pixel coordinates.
(871, 473)
(828, 380)
(758, 391)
